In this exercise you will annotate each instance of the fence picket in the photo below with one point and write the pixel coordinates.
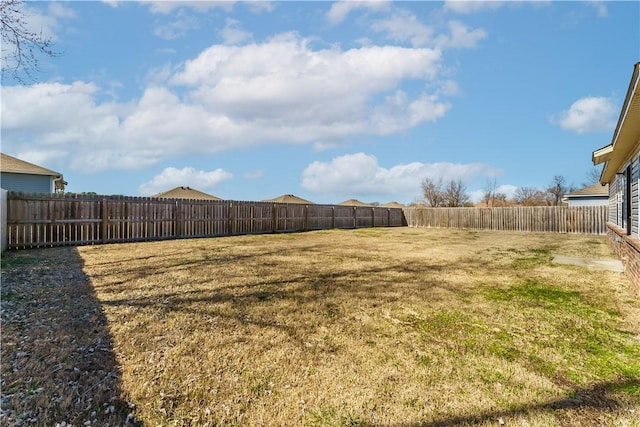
(39, 220)
(553, 219)
(42, 220)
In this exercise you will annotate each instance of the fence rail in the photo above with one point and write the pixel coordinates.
(41, 220)
(555, 219)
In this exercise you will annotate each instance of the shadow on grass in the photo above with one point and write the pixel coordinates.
(584, 408)
(58, 363)
(311, 292)
(246, 298)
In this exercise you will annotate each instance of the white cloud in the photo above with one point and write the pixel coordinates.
(232, 33)
(404, 26)
(56, 112)
(177, 28)
(340, 9)
(166, 7)
(60, 11)
(50, 159)
(449, 88)
(255, 174)
(600, 7)
(586, 115)
(472, 6)
(280, 91)
(360, 175)
(283, 84)
(47, 23)
(261, 6)
(461, 36)
(508, 189)
(186, 177)
(397, 112)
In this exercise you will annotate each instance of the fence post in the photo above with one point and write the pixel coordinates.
(333, 217)
(177, 229)
(4, 241)
(274, 218)
(104, 229)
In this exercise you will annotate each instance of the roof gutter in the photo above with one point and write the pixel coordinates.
(602, 155)
(607, 154)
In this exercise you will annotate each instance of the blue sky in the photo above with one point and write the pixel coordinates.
(325, 100)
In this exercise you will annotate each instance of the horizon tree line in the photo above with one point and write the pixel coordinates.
(453, 193)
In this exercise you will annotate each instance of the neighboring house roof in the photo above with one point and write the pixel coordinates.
(289, 198)
(185, 193)
(393, 205)
(595, 190)
(626, 135)
(353, 202)
(10, 164)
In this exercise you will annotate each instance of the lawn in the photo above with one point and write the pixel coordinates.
(368, 327)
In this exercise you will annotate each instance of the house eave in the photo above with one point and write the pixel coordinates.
(602, 155)
(626, 136)
(39, 173)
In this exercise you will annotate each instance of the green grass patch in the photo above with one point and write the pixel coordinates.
(630, 386)
(533, 292)
(585, 334)
(533, 258)
(328, 416)
(541, 366)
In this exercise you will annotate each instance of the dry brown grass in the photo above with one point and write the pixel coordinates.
(393, 327)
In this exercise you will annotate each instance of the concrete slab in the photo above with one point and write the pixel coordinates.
(604, 264)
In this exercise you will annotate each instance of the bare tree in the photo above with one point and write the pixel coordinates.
(455, 195)
(593, 176)
(432, 192)
(490, 192)
(529, 196)
(21, 47)
(557, 189)
(500, 199)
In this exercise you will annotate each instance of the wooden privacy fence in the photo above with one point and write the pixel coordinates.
(41, 220)
(555, 219)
